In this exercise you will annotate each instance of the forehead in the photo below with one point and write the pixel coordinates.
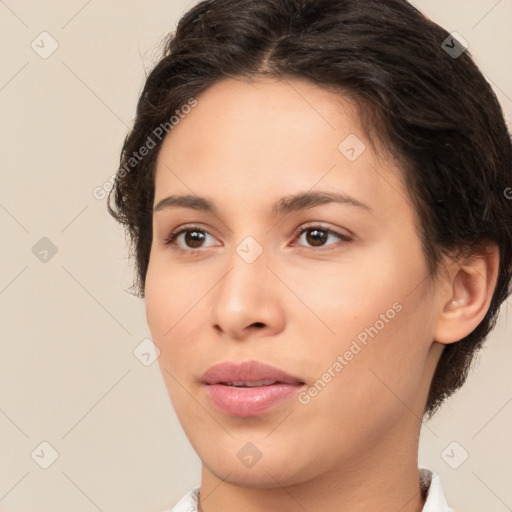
(273, 112)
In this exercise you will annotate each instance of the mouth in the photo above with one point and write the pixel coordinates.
(249, 388)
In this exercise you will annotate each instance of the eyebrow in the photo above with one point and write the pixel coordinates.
(287, 204)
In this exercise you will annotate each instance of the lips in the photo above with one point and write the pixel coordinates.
(248, 374)
(249, 388)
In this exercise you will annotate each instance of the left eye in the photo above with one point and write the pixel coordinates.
(316, 236)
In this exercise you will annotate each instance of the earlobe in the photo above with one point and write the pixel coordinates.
(470, 289)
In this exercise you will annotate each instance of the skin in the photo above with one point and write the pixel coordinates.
(353, 447)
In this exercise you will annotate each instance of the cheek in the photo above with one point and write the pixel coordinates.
(171, 293)
(339, 300)
(168, 300)
(166, 314)
(371, 313)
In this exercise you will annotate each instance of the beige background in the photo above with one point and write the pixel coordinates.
(68, 374)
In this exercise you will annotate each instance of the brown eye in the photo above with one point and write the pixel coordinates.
(317, 236)
(194, 238)
(191, 238)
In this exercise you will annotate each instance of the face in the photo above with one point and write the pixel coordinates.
(333, 293)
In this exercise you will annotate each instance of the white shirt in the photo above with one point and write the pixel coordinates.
(435, 501)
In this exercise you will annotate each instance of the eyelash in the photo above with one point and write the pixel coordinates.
(170, 240)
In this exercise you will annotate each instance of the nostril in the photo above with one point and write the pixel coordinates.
(258, 324)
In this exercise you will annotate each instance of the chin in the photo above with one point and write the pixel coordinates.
(275, 470)
(256, 478)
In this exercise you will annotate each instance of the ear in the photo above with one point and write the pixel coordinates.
(467, 295)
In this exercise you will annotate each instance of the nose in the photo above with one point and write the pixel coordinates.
(246, 301)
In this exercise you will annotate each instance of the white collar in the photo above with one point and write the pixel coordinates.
(435, 502)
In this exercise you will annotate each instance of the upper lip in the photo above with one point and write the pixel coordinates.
(247, 371)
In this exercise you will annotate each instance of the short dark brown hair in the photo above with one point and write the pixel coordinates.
(415, 86)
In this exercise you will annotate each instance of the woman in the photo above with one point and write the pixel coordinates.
(316, 197)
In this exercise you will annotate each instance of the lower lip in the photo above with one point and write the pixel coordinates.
(246, 402)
